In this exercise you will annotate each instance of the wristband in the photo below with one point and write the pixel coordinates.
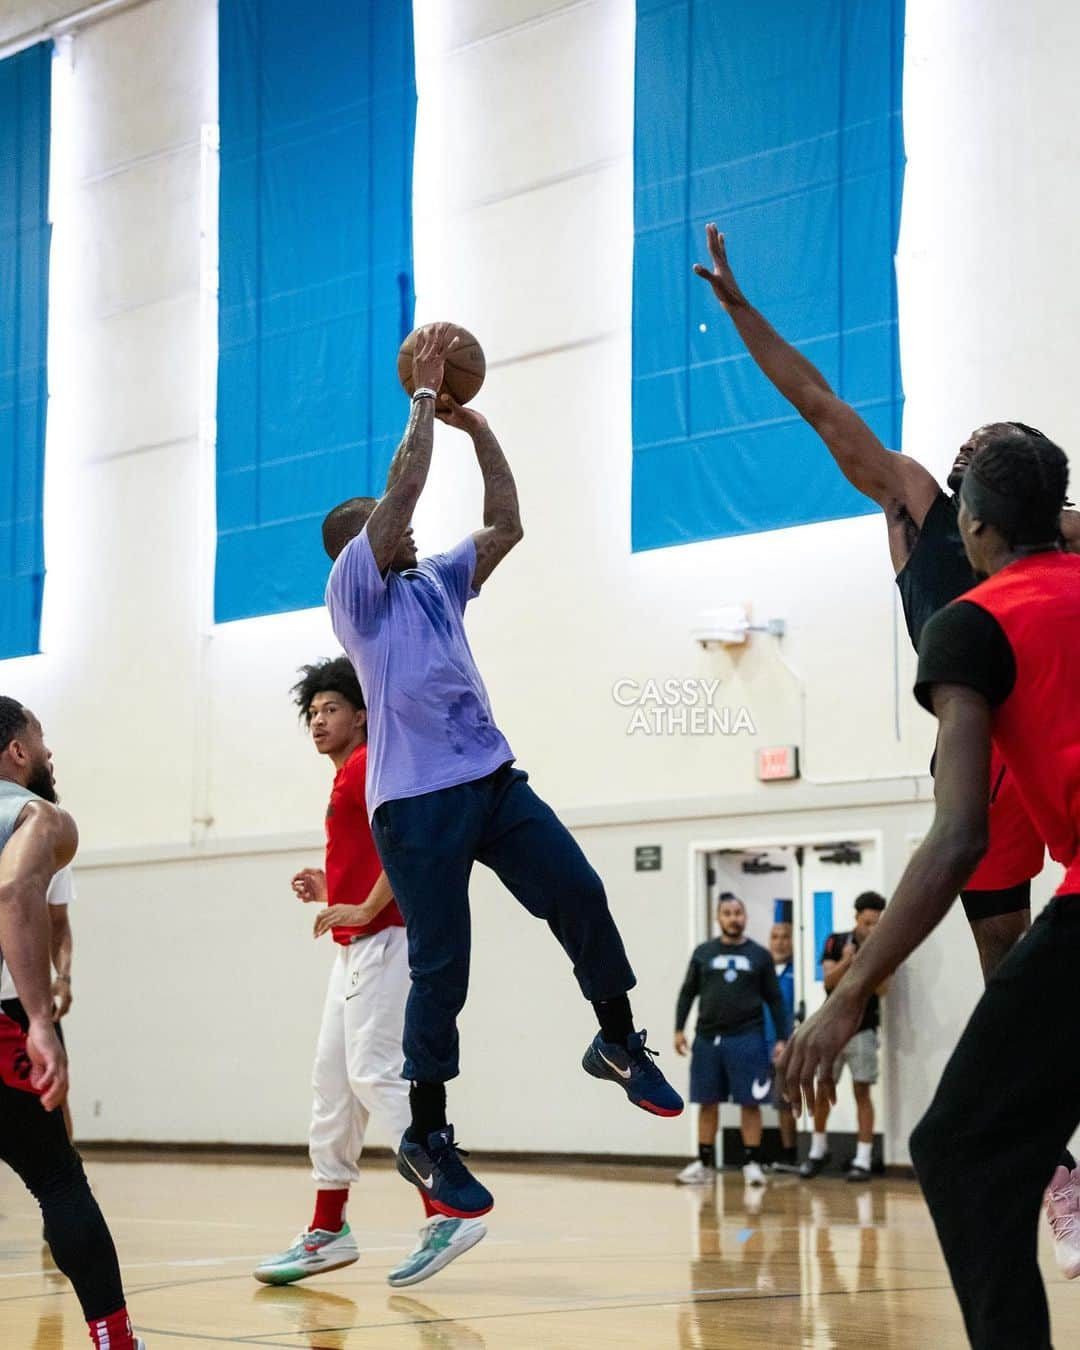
(424, 392)
(63, 979)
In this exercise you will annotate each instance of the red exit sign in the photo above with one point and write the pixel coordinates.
(778, 762)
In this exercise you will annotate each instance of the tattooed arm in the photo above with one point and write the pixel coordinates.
(502, 518)
(409, 468)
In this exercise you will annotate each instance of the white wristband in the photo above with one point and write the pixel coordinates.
(424, 392)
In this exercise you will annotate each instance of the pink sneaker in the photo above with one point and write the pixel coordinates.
(1063, 1211)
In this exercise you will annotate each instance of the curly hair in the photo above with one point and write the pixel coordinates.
(335, 675)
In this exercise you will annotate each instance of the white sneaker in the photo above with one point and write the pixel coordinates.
(311, 1254)
(1063, 1212)
(442, 1240)
(696, 1174)
(753, 1175)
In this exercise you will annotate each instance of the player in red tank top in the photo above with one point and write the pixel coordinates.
(359, 1059)
(1001, 662)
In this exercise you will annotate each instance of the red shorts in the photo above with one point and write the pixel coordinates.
(1016, 850)
(15, 1063)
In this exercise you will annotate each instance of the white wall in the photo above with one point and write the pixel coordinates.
(177, 741)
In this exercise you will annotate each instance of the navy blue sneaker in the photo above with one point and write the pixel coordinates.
(439, 1173)
(631, 1066)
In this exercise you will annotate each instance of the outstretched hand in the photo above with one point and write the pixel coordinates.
(433, 346)
(721, 278)
(450, 411)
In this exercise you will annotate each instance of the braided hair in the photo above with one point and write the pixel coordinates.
(1019, 483)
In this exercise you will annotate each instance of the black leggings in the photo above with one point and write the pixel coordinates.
(34, 1143)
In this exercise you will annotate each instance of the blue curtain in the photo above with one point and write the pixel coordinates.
(781, 122)
(25, 88)
(317, 111)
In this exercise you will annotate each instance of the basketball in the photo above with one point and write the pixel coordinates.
(465, 366)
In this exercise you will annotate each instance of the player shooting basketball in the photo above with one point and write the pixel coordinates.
(442, 788)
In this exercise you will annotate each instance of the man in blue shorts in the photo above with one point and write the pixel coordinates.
(733, 980)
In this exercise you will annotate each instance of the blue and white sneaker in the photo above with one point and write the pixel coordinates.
(439, 1173)
(441, 1241)
(312, 1253)
(631, 1066)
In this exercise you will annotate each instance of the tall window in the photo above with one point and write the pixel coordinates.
(25, 90)
(317, 110)
(781, 122)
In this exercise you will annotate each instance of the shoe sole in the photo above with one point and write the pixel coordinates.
(604, 1074)
(441, 1261)
(272, 1278)
(406, 1172)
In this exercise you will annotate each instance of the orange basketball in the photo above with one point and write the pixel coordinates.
(465, 366)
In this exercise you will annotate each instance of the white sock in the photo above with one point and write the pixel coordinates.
(864, 1155)
(819, 1146)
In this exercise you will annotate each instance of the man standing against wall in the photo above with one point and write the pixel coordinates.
(36, 840)
(733, 979)
(443, 790)
(358, 1060)
(860, 1055)
(780, 949)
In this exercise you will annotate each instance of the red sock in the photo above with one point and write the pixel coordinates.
(330, 1210)
(429, 1208)
(112, 1332)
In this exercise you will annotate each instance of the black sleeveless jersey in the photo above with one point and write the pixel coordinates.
(938, 571)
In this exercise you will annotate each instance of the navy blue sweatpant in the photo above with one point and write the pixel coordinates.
(428, 845)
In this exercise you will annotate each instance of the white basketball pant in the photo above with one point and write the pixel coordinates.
(359, 1059)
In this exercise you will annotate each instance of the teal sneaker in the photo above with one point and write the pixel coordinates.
(441, 1241)
(311, 1254)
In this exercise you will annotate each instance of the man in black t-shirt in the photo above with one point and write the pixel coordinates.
(861, 1052)
(931, 571)
(733, 980)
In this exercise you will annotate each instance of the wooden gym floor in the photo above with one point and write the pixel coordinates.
(579, 1257)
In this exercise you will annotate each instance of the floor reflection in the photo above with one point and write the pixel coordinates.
(434, 1331)
(327, 1318)
(812, 1248)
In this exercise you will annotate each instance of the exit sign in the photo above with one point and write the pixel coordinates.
(778, 762)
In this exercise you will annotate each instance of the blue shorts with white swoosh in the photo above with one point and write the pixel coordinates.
(731, 1069)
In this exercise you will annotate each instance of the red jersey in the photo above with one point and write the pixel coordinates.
(352, 861)
(1036, 603)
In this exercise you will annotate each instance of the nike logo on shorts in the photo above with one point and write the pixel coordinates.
(761, 1090)
(623, 1073)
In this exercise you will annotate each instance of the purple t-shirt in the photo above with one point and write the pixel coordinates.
(429, 719)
